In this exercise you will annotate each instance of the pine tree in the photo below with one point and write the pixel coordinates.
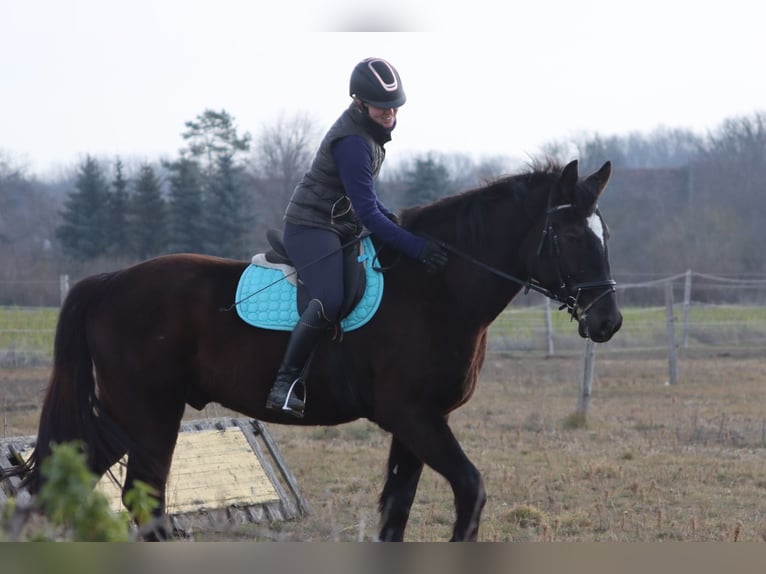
(186, 227)
(83, 234)
(226, 210)
(147, 222)
(427, 181)
(118, 204)
(215, 144)
(212, 135)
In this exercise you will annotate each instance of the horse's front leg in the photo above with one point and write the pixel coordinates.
(428, 437)
(399, 491)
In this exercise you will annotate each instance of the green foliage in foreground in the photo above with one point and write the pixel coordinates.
(74, 510)
(71, 502)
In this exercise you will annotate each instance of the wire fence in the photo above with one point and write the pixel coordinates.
(735, 318)
(690, 323)
(683, 313)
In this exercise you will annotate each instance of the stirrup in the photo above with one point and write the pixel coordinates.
(292, 404)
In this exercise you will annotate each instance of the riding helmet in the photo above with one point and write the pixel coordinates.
(376, 82)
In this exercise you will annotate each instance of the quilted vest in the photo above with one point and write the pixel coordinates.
(319, 200)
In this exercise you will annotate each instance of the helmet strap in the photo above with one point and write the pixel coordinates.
(362, 106)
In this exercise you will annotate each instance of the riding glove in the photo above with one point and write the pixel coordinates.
(433, 255)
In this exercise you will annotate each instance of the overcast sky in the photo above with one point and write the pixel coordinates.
(482, 77)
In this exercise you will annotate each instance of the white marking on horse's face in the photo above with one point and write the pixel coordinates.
(594, 224)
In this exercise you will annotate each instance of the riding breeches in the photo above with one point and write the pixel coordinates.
(318, 258)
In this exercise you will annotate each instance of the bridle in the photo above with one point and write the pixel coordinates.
(566, 294)
(569, 295)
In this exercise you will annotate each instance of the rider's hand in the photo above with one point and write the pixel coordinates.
(433, 255)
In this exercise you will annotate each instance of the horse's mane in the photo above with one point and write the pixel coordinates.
(469, 210)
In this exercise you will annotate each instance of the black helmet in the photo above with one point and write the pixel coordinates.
(376, 82)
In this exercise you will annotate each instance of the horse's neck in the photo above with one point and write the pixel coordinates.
(484, 288)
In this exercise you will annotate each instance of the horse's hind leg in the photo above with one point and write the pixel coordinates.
(105, 461)
(149, 461)
(399, 491)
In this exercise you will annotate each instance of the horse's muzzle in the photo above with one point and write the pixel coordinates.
(600, 327)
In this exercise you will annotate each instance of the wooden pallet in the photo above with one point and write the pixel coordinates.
(214, 476)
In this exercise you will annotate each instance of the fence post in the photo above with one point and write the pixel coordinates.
(687, 302)
(672, 358)
(586, 383)
(63, 286)
(548, 327)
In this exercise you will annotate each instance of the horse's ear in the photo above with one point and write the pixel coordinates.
(569, 175)
(599, 179)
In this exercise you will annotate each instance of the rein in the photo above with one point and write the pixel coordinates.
(563, 294)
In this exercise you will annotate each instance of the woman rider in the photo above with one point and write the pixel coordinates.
(334, 201)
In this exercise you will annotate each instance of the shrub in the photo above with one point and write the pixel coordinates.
(72, 509)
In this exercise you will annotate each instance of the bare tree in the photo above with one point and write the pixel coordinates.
(29, 214)
(281, 154)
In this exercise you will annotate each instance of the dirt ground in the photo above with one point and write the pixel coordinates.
(652, 462)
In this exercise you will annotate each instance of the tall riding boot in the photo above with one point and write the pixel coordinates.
(310, 328)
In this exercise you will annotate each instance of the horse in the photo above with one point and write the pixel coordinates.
(134, 346)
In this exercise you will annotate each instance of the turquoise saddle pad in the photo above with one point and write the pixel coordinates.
(267, 294)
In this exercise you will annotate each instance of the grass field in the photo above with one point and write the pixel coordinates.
(653, 463)
(26, 335)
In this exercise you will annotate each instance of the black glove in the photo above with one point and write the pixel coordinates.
(433, 255)
(393, 217)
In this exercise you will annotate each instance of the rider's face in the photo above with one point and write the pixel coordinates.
(385, 117)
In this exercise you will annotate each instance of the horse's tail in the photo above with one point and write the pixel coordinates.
(70, 407)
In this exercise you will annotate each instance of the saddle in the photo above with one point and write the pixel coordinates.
(354, 276)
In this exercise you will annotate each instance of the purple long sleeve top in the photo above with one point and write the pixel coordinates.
(353, 158)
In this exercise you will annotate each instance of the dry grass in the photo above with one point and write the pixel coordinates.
(651, 463)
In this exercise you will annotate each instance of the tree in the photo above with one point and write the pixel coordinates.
(215, 144)
(83, 234)
(283, 153)
(226, 210)
(147, 222)
(662, 148)
(29, 217)
(118, 204)
(186, 226)
(740, 139)
(732, 177)
(426, 180)
(214, 134)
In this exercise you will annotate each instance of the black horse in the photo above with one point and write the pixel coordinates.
(133, 347)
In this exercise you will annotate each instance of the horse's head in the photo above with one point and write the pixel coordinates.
(571, 260)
